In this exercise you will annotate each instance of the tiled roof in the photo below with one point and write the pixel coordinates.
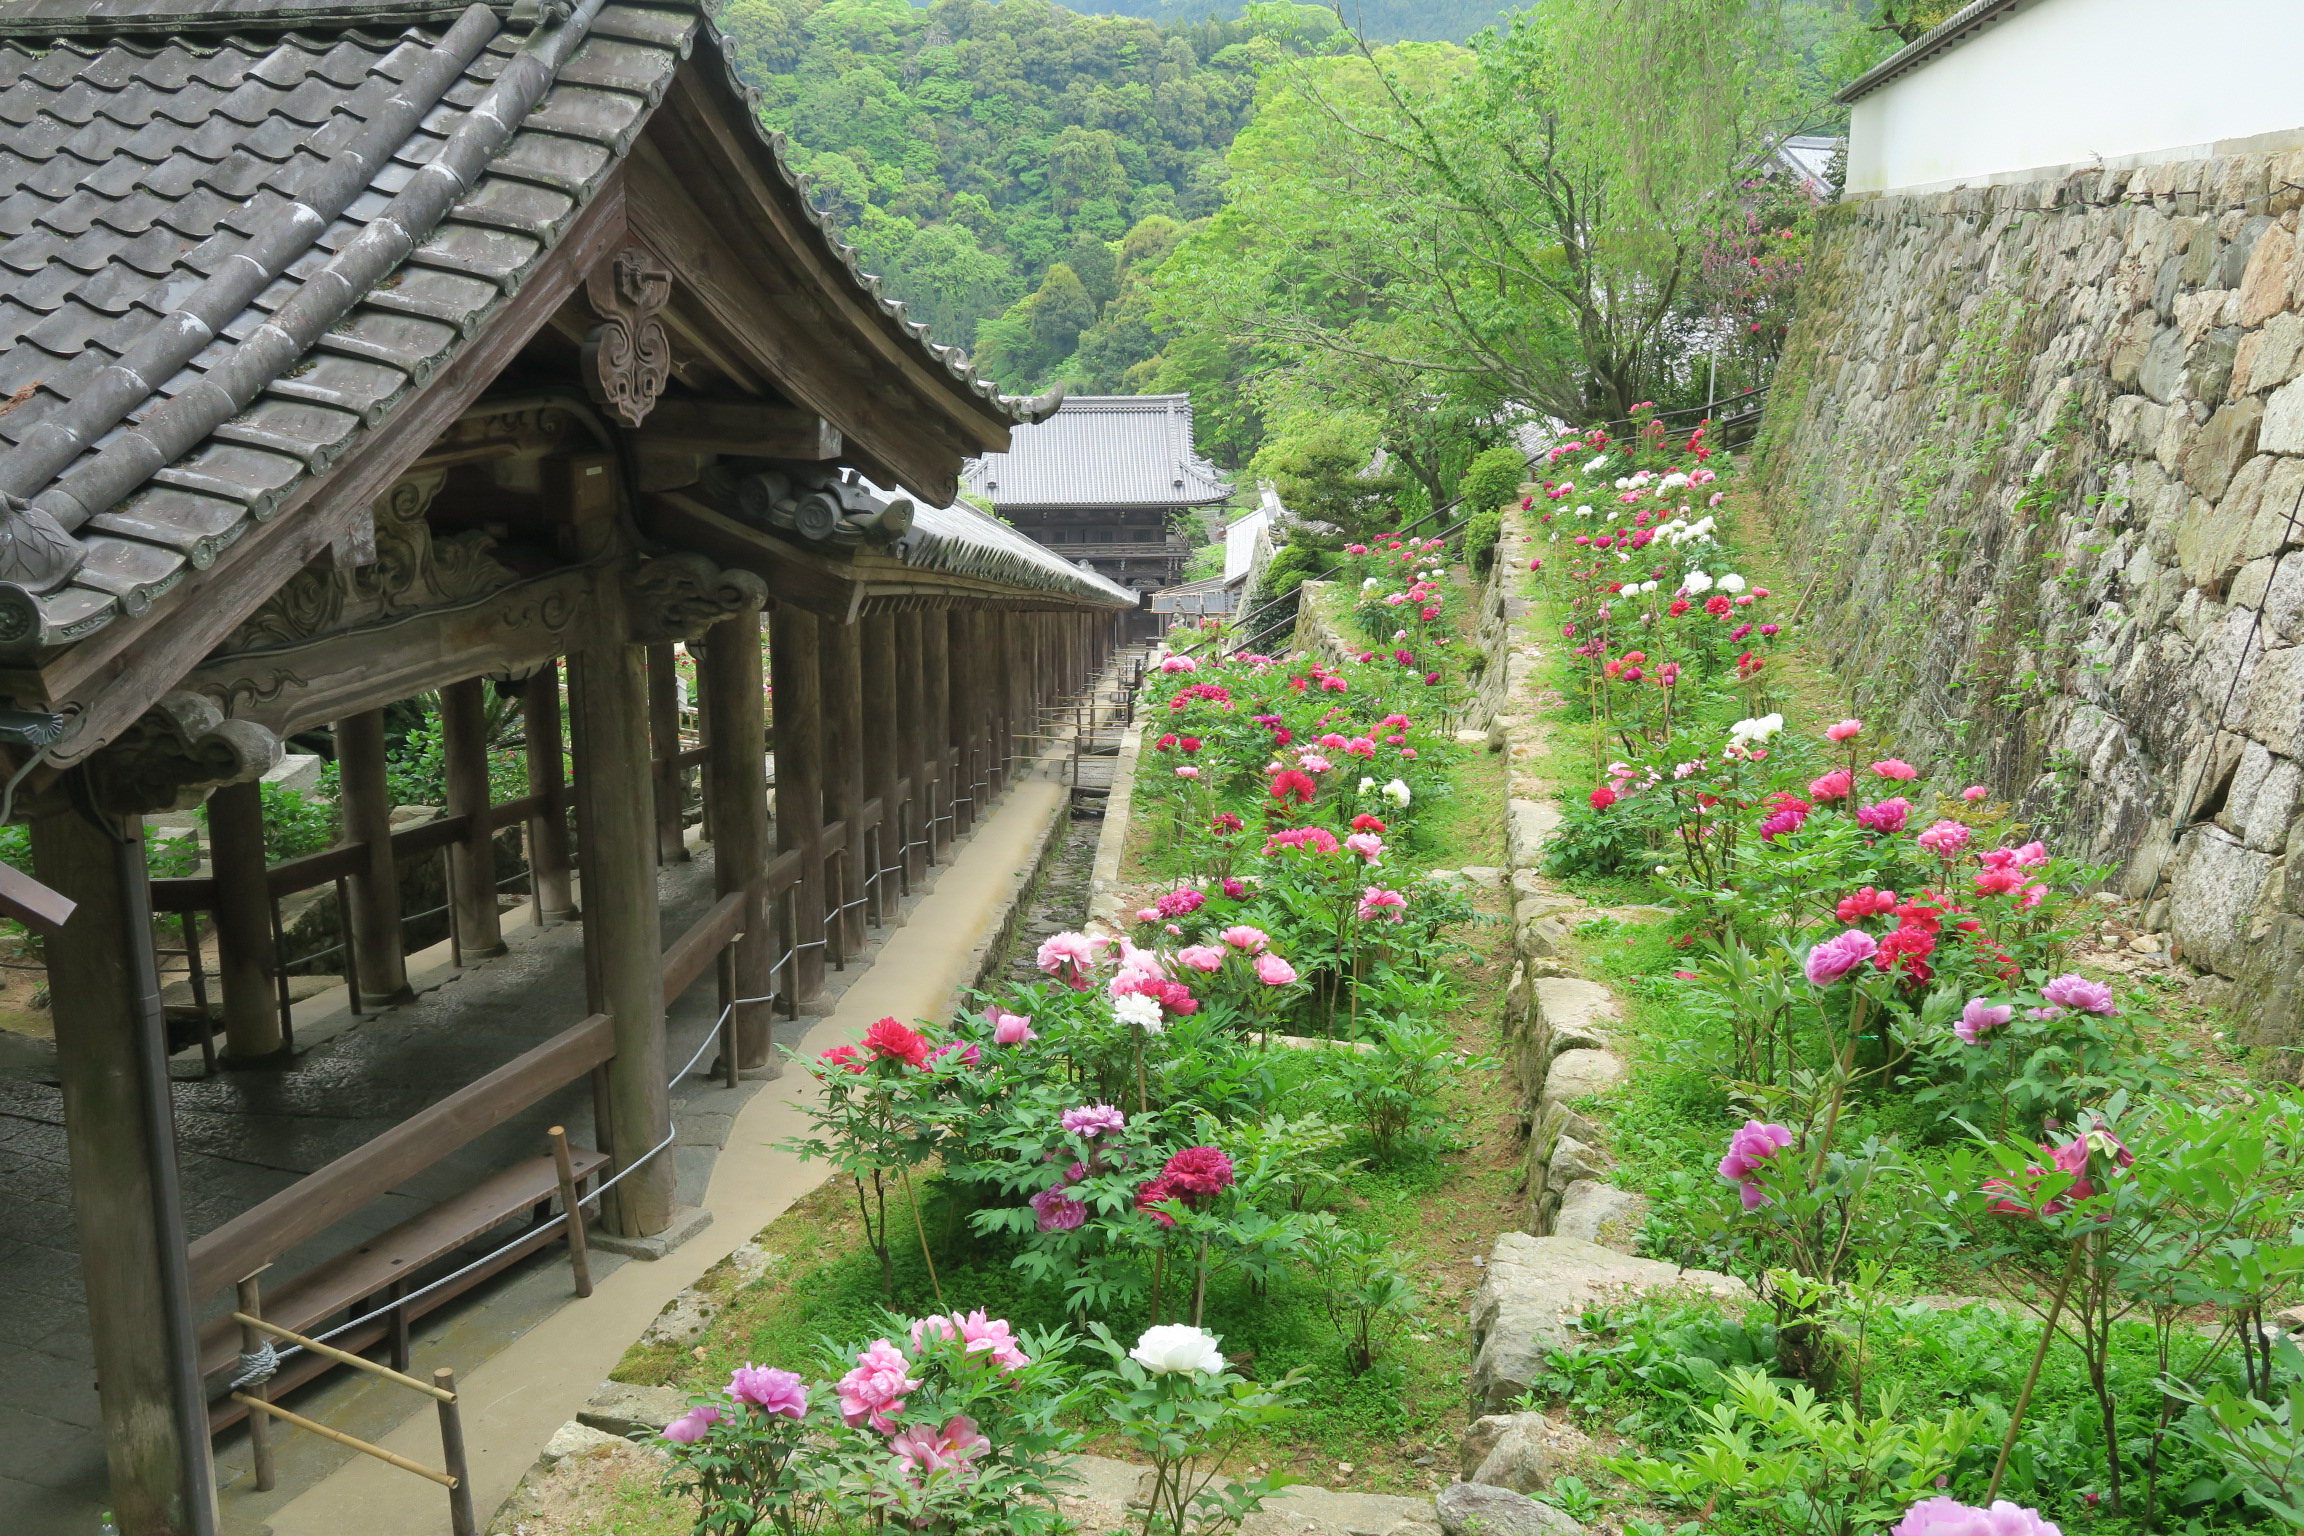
(224, 256)
(965, 541)
(1102, 451)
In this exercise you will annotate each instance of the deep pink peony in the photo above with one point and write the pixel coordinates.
(1057, 1211)
(1377, 902)
(1886, 816)
(978, 1334)
(1754, 1143)
(1274, 971)
(1010, 1028)
(1836, 957)
(875, 1390)
(1198, 1174)
(1948, 1517)
(769, 1390)
(1895, 768)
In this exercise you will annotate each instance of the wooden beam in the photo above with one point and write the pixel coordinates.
(747, 428)
(686, 956)
(320, 1199)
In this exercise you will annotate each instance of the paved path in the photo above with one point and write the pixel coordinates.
(534, 1384)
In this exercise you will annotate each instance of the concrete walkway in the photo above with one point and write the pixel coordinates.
(527, 1389)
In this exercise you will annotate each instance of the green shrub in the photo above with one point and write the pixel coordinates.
(1480, 538)
(1492, 479)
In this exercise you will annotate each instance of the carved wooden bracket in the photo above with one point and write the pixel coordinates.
(628, 356)
(180, 748)
(678, 597)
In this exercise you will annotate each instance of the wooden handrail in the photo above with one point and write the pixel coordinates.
(688, 956)
(868, 815)
(833, 839)
(320, 1199)
(780, 873)
(665, 767)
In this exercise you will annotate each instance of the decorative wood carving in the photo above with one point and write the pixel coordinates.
(628, 356)
(678, 597)
(176, 752)
(407, 571)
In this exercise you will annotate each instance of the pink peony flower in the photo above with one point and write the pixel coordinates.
(1377, 902)
(874, 1391)
(1201, 957)
(1366, 844)
(1069, 957)
(1274, 971)
(1836, 957)
(1833, 786)
(693, 1425)
(891, 1041)
(1886, 816)
(1867, 902)
(1249, 940)
(1980, 1016)
(1092, 1120)
(1942, 1516)
(1843, 730)
(1945, 839)
(1187, 772)
(1974, 793)
(769, 1390)
(950, 1449)
(1009, 1028)
(978, 1334)
(1754, 1143)
(2079, 994)
(1057, 1211)
(1895, 768)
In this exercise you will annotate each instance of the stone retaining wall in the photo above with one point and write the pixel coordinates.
(2037, 454)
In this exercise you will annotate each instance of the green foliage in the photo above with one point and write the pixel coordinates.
(1494, 478)
(294, 825)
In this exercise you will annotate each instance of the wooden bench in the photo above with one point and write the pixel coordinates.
(367, 1280)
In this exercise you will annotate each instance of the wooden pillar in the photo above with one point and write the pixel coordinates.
(735, 779)
(247, 961)
(472, 857)
(883, 757)
(112, 1066)
(664, 732)
(547, 775)
(936, 725)
(366, 807)
(912, 745)
(960, 660)
(622, 927)
(840, 664)
(792, 662)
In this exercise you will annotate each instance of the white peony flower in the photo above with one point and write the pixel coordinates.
(1367, 785)
(1397, 792)
(1758, 729)
(1674, 481)
(1137, 1009)
(1584, 511)
(1174, 1348)
(1695, 582)
(1623, 482)
(1731, 582)
(1370, 582)
(1596, 465)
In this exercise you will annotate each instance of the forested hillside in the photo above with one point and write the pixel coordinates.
(1380, 21)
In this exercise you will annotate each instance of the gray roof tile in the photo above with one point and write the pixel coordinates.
(1102, 451)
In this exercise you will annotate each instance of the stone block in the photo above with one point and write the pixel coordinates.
(2214, 899)
(2283, 429)
(2223, 445)
(1476, 1509)
(1574, 1014)
(1535, 1290)
(623, 1410)
(1595, 1211)
(1579, 1074)
(2284, 601)
(2276, 701)
(297, 772)
(683, 1320)
(687, 1221)
(1521, 1451)
(1528, 825)
(575, 1438)
(1571, 1160)
(2162, 375)
(2208, 366)
(2276, 353)
(2265, 283)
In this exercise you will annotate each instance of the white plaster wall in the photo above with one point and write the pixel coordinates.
(2066, 82)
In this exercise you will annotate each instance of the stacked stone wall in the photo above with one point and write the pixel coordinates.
(2037, 454)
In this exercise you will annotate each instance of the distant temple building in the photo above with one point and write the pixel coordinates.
(1101, 482)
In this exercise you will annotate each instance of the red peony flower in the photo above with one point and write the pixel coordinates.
(1197, 1174)
(891, 1041)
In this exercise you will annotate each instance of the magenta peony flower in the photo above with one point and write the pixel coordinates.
(1980, 1016)
(1945, 839)
(693, 1425)
(1057, 1211)
(1887, 816)
(1941, 1516)
(2079, 994)
(875, 1389)
(1197, 1174)
(1836, 957)
(769, 1390)
(1274, 971)
(1754, 1143)
(1234, 889)
(1093, 1120)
